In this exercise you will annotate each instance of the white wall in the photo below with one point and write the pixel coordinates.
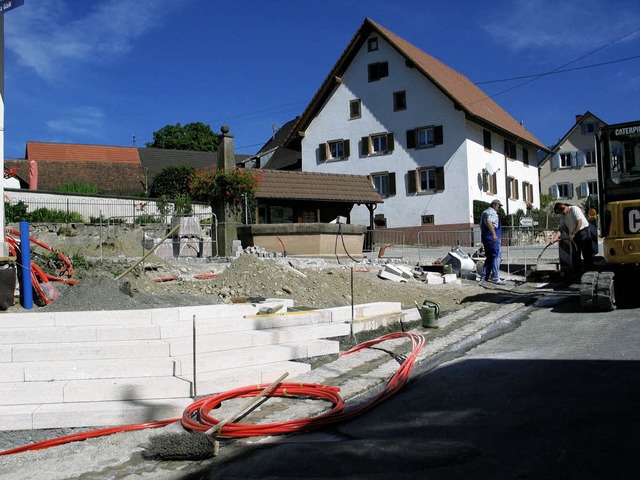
(426, 105)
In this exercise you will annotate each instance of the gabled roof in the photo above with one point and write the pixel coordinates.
(296, 185)
(154, 160)
(71, 152)
(462, 92)
(575, 126)
(281, 157)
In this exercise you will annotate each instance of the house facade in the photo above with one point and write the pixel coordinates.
(430, 141)
(568, 173)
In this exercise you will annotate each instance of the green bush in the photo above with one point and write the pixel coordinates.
(44, 215)
(77, 187)
(16, 213)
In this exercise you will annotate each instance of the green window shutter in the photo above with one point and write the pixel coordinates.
(411, 139)
(392, 183)
(517, 190)
(322, 148)
(365, 145)
(437, 135)
(390, 142)
(347, 148)
(439, 178)
(412, 183)
(485, 181)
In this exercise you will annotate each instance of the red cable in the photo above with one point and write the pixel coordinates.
(197, 415)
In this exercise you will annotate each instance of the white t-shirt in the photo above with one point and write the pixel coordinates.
(574, 220)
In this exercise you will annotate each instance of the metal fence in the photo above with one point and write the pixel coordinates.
(93, 209)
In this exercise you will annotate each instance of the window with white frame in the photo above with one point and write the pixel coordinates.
(489, 182)
(334, 150)
(425, 137)
(384, 183)
(565, 160)
(527, 192)
(512, 188)
(590, 157)
(562, 190)
(378, 144)
(426, 180)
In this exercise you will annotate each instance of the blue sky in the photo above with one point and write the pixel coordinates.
(103, 71)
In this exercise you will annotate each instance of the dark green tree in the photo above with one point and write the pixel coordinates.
(192, 136)
(172, 182)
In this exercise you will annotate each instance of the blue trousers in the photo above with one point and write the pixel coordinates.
(493, 256)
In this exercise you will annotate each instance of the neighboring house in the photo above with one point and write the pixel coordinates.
(274, 155)
(114, 170)
(286, 196)
(569, 171)
(430, 141)
(154, 160)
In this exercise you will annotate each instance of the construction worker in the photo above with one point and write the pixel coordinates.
(491, 236)
(576, 225)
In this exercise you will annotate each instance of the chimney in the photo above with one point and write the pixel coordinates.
(578, 117)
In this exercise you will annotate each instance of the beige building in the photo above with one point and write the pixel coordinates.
(569, 172)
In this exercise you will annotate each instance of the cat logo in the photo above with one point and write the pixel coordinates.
(632, 220)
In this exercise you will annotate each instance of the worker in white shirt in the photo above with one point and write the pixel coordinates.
(576, 225)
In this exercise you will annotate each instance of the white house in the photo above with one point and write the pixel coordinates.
(430, 140)
(569, 171)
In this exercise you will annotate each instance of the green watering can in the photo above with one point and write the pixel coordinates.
(429, 313)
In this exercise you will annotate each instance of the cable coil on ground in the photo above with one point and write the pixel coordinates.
(197, 416)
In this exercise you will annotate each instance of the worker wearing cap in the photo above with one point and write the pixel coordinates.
(576, 225)
(491, 236)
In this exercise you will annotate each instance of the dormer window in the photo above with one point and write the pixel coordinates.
(372, 44)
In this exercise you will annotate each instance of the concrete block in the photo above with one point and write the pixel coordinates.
(94, 414)
(434, 278)
(90, 350)
(450, 278)
(17, 417)
(126, 389)
(100, 368)
(20, 393)
(389, 275)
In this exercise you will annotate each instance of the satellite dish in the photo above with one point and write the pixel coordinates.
(489, 168)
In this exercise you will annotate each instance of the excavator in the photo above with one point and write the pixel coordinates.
(617, 150)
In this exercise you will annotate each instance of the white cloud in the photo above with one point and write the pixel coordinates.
(573, 25)
(47, 37)
(87, 121)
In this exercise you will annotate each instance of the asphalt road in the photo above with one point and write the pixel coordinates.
(555, 398)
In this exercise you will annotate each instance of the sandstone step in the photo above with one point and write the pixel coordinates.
(215, 325)
(223, 360)
(254, 338)
(98, 368)
(68, 334)
(93, 390)
(223, 380)
(83, 350)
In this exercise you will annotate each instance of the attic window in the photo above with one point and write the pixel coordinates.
(372, 44)
(355, 108)
(399, 100)
(378, 70)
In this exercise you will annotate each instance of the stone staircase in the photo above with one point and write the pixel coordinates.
(109, 368)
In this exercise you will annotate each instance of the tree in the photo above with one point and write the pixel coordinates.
(172, 182)
(192, 136)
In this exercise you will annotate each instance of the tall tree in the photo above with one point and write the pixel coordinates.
(192, 136)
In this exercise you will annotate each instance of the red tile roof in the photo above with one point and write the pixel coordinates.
(296, 185)
(69, 152)
(462, 92)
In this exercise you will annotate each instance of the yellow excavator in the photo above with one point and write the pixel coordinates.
(618, 162)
